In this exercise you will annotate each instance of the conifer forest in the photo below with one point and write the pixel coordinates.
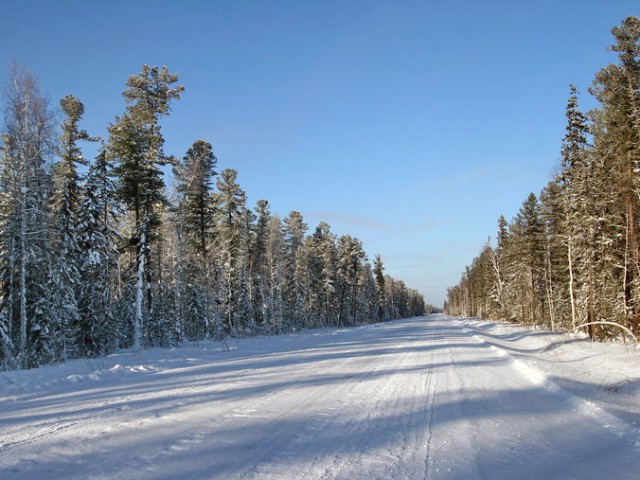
(101, 254)
(570, 258)
(174, 303)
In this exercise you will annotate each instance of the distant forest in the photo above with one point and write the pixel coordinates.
(97, 256)
(571, 256)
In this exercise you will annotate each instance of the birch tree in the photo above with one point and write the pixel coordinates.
(28, 143)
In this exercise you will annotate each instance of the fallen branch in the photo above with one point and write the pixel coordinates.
(566, 335)
(614, 324)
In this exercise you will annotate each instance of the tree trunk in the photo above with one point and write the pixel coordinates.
(571, 284)
(140, 276)
(23, 273)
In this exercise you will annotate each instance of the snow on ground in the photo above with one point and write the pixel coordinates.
(433, 398)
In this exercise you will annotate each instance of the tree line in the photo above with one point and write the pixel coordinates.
(571, 256)
(99, 256)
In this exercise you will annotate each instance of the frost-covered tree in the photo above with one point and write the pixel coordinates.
(367, 296)
(552, 214)
(136, 143)
(28, 142)
(231, 246)
(257, 268)
(64, 274)
(294, 231)
(526, 252)
(378, 271)
(575, 181)
(194, 184)
(94, 258)
(350, 258)
(574, 258)
(617, 88)
(275, 276)
(195, 230)
(101, 330)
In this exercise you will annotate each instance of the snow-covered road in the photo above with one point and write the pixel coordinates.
(433, 398)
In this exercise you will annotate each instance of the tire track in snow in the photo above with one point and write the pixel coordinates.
(431, 390)
(454, 446)
(268, 417)
(346, 436)
(42, 431)
(367, 399)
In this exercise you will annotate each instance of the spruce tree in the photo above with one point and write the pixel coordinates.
(231, 246)
(498, 261)
(195, 225)
(194, 183)
(100, 210)
(378, 270)
(328, 259)
(575, 184)
(552, 214)
(350, 262)
(367, 296)
(258, 263)
(275, 267)
(294, 231)
(64, 275)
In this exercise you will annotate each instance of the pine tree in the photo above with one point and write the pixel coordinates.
(136, 142)
(605, 230)
(590, 240)
(87, 269)
(302, 284)
(246, 297)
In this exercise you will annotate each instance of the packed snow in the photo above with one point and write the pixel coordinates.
(432, 397)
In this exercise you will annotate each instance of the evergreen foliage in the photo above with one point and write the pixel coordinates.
(102, 331)
(64, 272)
(96, 257)
(573, 256)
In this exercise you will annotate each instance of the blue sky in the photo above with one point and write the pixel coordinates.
(412, 125)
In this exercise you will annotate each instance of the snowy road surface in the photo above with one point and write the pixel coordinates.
(426, 398)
